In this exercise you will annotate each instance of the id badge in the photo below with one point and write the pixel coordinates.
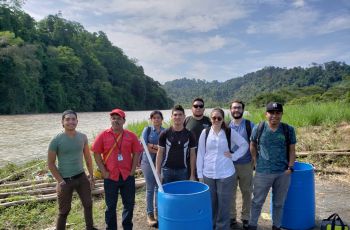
(120, 157)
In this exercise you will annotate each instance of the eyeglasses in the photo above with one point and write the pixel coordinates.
(198, 106)
(216, 118)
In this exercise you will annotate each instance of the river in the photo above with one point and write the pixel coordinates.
(26, 137)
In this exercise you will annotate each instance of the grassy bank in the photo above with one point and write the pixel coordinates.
(310, 114)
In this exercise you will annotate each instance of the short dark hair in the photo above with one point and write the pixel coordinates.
(156, 112)
(178, 108)
(198, 99)
(237, 101)
(69, 111)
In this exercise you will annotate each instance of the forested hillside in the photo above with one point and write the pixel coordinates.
(321, 82)
(55, 64)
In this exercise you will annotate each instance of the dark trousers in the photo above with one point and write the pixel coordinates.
(82, 186)
(127, 192)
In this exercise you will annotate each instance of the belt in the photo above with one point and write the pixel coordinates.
(74, 177)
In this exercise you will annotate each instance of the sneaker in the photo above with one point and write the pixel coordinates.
(150, 220)
(245, 224)
(275, 228)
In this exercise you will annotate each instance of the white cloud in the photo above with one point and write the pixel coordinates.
(299, 3)
(290, 23)
(335, 23)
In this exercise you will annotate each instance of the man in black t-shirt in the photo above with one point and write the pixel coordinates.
(197, 122)
(175, 143)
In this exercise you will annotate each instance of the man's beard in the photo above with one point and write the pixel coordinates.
(237, 116)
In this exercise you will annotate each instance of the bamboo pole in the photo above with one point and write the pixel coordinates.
(328, 153)
(53, 196)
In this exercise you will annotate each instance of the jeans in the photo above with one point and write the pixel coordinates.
(151, 187)
(171, 175)
(127, 192)
(82, 186)
(221, 196)
(244, 179)
(262, 184)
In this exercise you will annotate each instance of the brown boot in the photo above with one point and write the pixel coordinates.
(150, 220)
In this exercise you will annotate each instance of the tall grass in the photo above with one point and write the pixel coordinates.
(310, 114)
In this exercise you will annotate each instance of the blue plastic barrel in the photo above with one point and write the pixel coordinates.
(299, 208)
(184, 205)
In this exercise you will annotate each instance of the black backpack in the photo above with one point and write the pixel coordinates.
(228, 137)
(285, 127)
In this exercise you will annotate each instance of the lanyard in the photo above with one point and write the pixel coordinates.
(121, 142)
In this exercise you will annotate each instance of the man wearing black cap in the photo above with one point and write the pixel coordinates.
(116, 151)
(273, 152)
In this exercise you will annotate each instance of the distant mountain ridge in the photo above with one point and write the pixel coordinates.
(257, 87)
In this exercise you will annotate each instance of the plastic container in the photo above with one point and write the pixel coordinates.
(184, 205)
(299, 207)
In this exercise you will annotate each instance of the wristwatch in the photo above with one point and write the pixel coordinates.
(291, 168)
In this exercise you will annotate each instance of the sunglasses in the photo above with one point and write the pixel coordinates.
(198, 106)
(216, 118)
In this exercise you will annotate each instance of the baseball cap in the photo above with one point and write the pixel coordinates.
(119, 112)
(274, 106)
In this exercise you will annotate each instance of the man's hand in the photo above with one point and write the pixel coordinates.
(201, 180)
(92, 182)
(228, 155)
(59, 186)
(193, 178)
(105, 174)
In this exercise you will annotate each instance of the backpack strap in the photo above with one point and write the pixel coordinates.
(148, 131)
(248, 128)
(206, 135)
(287, 138)
(228, 137)
(261, 127)
(187, 119)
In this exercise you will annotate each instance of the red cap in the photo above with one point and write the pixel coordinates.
(118, 112)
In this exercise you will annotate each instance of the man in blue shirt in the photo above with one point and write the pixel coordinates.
(274, 156)
(243, 166)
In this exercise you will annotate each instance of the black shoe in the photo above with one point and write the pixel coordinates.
(275, 228)
(245, 224)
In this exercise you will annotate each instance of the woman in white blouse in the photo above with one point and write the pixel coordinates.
(215, 167)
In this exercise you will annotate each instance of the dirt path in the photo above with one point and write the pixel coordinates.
(330, 197)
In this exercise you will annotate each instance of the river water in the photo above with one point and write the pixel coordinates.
(26, 137)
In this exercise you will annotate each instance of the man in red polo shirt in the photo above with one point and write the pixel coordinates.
(116, 152)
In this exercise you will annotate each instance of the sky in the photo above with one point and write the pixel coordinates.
(213, 39)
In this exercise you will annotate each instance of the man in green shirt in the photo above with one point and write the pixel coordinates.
(70, 147)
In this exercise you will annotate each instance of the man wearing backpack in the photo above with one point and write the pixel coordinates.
(273, 152)
(243, 166)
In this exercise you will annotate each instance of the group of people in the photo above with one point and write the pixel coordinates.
(196, 147)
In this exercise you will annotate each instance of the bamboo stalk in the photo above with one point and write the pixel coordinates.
(303, 154)
(53, 196)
